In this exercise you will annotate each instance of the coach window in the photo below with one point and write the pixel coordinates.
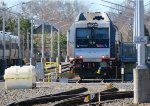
(7, 45)
(1, 46)
(15, 46)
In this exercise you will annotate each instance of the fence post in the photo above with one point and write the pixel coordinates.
(122, 73)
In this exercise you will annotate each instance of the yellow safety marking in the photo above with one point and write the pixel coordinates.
(49, 77)
(109, 86)
(48, 64)
(87, 98)
(99, 71)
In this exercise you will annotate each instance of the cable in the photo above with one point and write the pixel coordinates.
(146, 4)
(110, 7)
(117, 4)
(107, 6)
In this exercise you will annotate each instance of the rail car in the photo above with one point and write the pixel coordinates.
(11, 49)
(93, 46)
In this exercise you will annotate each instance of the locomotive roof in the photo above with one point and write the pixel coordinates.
(92, 16)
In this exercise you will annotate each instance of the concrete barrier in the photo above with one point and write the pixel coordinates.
(141, 86)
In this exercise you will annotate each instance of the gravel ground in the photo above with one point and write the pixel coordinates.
(9, 96)
(124, 102)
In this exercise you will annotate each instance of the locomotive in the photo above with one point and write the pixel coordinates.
(11, 49)
(93, 45)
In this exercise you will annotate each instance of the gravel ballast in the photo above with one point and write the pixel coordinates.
(9, 96)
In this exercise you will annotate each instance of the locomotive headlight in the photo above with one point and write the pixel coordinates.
(71, 58)
(81, 57)
(103, 57)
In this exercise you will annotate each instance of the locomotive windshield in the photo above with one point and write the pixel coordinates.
(92, 38)
(83, 33)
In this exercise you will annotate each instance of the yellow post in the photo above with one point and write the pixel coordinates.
(49, 77)
(109, 85)
(116, 72)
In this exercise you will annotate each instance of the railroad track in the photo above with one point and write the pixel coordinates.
(93, 80)
(49, 98)
(76, 97)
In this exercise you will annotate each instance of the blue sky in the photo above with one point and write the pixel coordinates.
(93, 7)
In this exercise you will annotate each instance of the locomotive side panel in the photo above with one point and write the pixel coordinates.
(71, 47)
(1, 47)
(112, 41)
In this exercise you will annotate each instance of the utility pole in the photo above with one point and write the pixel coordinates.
(134, 23)
(28, 46)
(59, 59)
(23, 47)
(4, 61)
(42, 59)
(141, 73)
(32, 55)
(19, 46)
(67, 57)
(51, 36)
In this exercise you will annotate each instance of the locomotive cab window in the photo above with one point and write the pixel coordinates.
(92, 37)
(101, 37)
(83, 33)
(101, 33)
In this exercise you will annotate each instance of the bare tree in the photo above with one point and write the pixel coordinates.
(123, 18)
(55, 12)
